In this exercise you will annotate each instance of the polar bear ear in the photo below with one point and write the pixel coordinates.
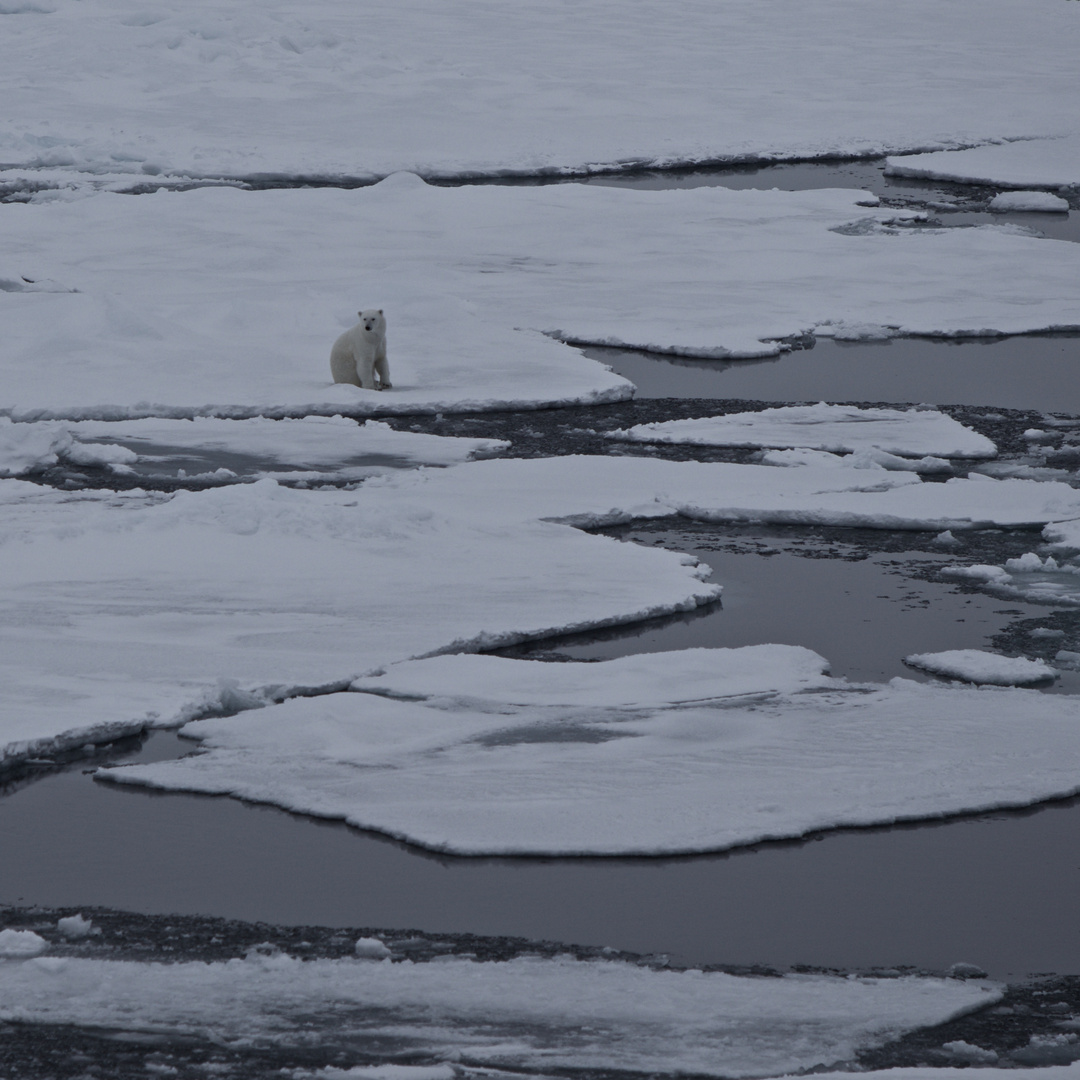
(380, 311)
(359, 314)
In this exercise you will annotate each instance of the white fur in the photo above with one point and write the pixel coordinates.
(359, 355)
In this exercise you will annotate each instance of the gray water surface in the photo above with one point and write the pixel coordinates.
(1039, 371)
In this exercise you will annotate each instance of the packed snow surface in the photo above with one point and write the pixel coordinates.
(466, 86)
(979, 666)
(218, 302)
(664, 753)
(833, 428)
(527, 1013)
(1038, 201)
(1040, 163)
(122, 610)
(317, 446)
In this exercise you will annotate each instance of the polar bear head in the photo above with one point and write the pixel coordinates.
(372, 322)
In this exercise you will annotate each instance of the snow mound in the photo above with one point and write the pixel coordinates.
(1027, 163)
(832, 428)
(613, 758)
(525, 1014)
(1038, 201)
(480, 302)
(977, 666)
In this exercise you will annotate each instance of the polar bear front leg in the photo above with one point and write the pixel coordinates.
(365, 369)
(382, 368)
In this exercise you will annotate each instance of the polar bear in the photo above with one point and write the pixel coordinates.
(360, 353)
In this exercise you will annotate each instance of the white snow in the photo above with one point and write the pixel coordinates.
(314, 447)
(118, 611)
(525, 1014)
(1028, 201)
(281, 87)
(663, 753)
(224, 303)
(832, 428)
(1026, 163)
(979, 666)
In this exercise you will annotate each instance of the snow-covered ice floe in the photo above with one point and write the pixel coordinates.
(310, 448)
(979, 666)
(270, 89)
(1034, 163)
(911, 433)
(660, 754)
(526, 1013)
(118, 611)
(218, 302)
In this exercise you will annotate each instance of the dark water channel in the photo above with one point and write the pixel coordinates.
(1025, 372)
(999, 890)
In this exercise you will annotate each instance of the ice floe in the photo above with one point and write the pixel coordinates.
(1042, 202)
(224, 303)
(979, 666)
(489, 756)
(118, 611)
(1039, 163)
(1029, 577)
(309, 448)
(275, 89)
(834, 428)
(527, 1013)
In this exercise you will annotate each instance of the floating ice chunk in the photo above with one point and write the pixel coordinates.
(526, 1014)
(947, 540)
(16, 943)
(1028, 201)
(977, 666)
(381, 1072)
(1060, 1049)
(371, 948)
(75, 927)
(832, 428)
(572, 761)
(1066, 658)
(1045, 632)
(970, 1053)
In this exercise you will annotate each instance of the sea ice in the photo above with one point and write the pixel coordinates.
(1028, 577)
(119, 611)
(1043, 163)
(834, 428)
(526, 1014)
(665, 753)
(277, 88)
(186, 307)
(978, 666)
